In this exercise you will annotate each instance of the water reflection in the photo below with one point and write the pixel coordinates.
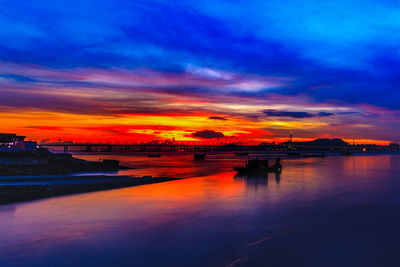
(7, 209)
(260, 179)
(180, 165)
(298, 218)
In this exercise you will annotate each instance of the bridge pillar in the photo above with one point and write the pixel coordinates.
(65, 149)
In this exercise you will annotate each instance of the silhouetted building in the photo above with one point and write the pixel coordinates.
(30, 144)
(15, 141)
(394, 146)
(12, 140)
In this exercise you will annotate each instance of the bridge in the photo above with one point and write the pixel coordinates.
(102, 147)
(86, 147)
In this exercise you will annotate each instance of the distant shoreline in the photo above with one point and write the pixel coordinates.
(26, 162)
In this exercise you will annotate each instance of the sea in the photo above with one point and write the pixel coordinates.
(331, 211)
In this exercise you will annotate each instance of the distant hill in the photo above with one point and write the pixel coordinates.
(320, 142)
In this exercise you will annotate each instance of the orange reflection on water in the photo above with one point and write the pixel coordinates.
(246, 208)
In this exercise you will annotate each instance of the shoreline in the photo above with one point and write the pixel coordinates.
(23, 162)
(19, 188)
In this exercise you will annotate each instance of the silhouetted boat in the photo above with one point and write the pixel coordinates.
(347, 153)
(314, 155)
(111, 163)
(256, 166)
(293, 154)
(154, 155)
(199, 156)
(241, 153)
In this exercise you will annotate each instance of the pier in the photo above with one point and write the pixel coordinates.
(134, 147)
(107, 147)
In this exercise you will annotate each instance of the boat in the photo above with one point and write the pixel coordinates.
(314, 155)
(256, 166)
(293, 154)
(199, 156)
(347, 153)
(154, 155)
(241, 153)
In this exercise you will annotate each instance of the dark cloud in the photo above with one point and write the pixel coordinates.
(217, 118)
(17, 78)
(324, 114)
(208, 134)
(295, 114)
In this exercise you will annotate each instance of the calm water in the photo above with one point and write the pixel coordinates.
(334, 211)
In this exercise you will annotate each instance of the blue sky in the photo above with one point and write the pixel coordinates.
(289, 56)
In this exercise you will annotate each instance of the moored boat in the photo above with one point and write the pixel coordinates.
(154, 155)
(241, 153)
(199, 156)
(293, 154)
(259, 166)
(347, 153)
(314, 155)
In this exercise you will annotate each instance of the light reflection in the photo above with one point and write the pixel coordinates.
(221, 205)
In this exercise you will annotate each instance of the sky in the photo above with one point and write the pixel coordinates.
(200, 71)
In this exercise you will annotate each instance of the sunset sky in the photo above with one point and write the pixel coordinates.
(209, 71)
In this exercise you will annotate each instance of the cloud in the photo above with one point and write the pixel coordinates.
(210, 44)
(295, 114)
(217, 118)
(229, 82)
(118, 57)
(208, 134)
(46, 128)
